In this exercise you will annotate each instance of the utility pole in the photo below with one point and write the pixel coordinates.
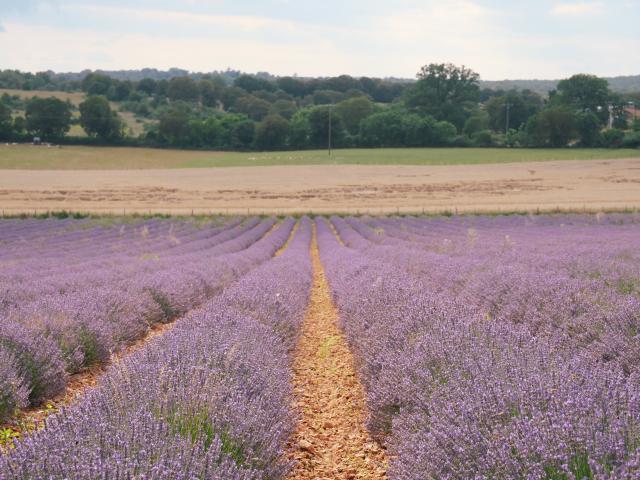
(508, 107)
(329, 139)
(610, 122)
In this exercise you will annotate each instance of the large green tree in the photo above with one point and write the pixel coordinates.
(588, 128)
(320, 120)
(254, 107)
(271, 133)
(6, 122)
(586, 93)
(353, 111)
(518, 105)
(251, 83)
(184, 89)
(210, 93)
(98, 119)
(49, 118)
(398, 128)
(173, 126)
(96, 84)
(446, 92)
(552, 127)
(284, 108)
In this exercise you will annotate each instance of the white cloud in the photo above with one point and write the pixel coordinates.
(459, 31)
(66, 50)
(577, 9)
(241, 22)
(490, 41)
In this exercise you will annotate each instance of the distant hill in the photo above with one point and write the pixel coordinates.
(69, 80)
(625, 84)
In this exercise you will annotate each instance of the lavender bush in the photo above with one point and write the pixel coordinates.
(85, 306)
(209, 399)
(495, 347)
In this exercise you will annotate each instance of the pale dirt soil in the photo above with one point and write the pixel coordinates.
(331, 441)
(567, 184)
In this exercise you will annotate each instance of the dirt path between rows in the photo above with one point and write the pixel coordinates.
(331, 441)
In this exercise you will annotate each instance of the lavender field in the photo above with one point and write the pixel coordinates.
(486, 347)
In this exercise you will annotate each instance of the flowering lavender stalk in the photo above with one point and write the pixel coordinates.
(85, 319)
(209, 399)
(495, 347)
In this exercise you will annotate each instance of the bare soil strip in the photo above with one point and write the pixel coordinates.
(331, 441)
(286, 244)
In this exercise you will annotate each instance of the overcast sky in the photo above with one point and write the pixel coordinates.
(499, 39)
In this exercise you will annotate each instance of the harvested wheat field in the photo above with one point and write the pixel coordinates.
(549, 185)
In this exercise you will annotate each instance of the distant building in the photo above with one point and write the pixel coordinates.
(633, 112)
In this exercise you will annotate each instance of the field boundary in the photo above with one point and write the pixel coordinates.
(17, 213)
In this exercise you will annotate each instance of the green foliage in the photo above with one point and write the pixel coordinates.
(588, 127)
(173, 127)
(184, 89)
(631, 140)
(627, 286)
(520, 105)
(293, 86)
(252, 106)
(318, 120)
(50, 118)
(394, 127)
(147, 85)
(251, 83)
(444, 91)
(96, 84)
(221, 110)
(585, 93)
(6, 122)
(164, 303)
(552, 127)
(198, 427)
(483, 138)
(7, 436)
(98, 120)
(271, 133)
(209, 93)
(353, 111)
(476, 123)
(612, 138)
(285, 108)
(578, 466)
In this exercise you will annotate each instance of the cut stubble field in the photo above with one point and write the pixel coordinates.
(117, 180)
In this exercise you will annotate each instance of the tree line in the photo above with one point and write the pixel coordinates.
(445, 106)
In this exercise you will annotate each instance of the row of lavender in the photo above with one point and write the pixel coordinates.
(102, 288)
(495, 347)
(209, 399)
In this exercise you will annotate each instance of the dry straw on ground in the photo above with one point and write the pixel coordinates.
(331, 441)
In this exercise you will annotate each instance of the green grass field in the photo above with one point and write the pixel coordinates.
(92, 158)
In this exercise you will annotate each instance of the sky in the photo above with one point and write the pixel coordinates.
(514, 39)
